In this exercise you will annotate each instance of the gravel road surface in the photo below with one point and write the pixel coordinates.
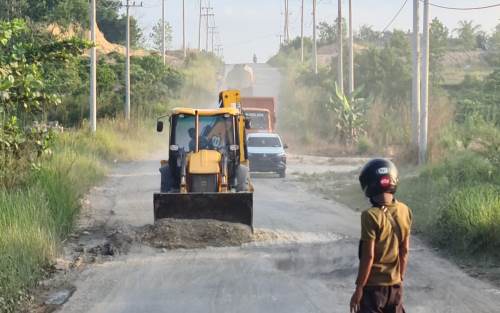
(309, 266)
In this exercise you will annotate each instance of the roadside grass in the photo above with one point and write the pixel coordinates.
(36, 217)
(455, 204)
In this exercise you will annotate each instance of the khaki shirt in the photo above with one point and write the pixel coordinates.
(376, 226)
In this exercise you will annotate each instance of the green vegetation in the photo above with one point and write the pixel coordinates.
(44, 172)
(37, 214)
(75, 12)
(456, 201)
(156, 36)
(456, 198)
(383, 74)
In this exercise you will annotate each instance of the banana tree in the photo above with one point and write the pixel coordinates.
(350, 115)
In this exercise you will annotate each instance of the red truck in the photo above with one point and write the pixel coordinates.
(261, 111)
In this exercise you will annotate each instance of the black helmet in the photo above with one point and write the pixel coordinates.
(379, 176)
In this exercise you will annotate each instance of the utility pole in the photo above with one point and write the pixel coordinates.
(212, 31)
(302, 32)
(284, 22)
(127, 67)
(218, 50)
(315, 47)
(93, 63)
(415, 105)
(127, 60)
(207, 16)
(340, 64)
(286, 34)
(184, 28)
(163, 31)
(424, 118)
(199, 29)
(351, 53)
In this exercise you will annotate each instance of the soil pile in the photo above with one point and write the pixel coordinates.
(193, 234)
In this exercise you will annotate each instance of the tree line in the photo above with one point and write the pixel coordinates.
(378, 113)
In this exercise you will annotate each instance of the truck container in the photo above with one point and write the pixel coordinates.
(261, 111)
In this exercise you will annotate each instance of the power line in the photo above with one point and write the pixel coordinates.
(395, 16)
(464, 9)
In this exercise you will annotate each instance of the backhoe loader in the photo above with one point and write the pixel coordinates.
(207, 173)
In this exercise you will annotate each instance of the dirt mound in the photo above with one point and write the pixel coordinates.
(102, 44)
(193, 234)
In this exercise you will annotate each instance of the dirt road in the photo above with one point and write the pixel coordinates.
(311, 270)
(309, 266)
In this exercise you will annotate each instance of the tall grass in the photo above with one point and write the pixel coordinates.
(36, 216)
(456, 204)
(470, 220)
(27, 242)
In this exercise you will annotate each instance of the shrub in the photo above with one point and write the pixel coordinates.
(469, 220)
(37, 215)
(462, 169)
(365, 145)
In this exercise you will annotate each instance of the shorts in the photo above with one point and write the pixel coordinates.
(382, 299)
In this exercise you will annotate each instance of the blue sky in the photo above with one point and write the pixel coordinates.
(247, 27)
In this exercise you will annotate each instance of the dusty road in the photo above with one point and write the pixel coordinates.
(310, 268)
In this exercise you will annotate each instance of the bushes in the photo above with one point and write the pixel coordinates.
(456, 204)
(37, 215)
(26, 242)
(469, 220)
(34, 217)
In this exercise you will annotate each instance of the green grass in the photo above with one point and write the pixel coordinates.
(469, 219)
(456, 205)
(36, 216)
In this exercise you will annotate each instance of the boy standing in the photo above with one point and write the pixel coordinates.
(385, 242)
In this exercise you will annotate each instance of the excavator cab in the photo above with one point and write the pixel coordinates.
(206, 175)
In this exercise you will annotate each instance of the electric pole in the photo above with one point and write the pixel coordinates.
(127, 60)
(163, 31)
(93, 63)
(340, 64)
(127, 67)
(302, 32)
(218, 50)
(415, 105)
(212, 31)
(207, 16)
(286, 34)
(199, 29)
(424, 118)
(315, 47)
(184, 28)
(351, 53)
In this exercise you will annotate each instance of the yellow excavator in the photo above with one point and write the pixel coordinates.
(207, 172)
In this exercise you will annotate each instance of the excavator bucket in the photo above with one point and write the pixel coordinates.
(227, 207)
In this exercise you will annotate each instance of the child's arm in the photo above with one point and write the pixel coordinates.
(365, 265)
(404, 250)
(366, 262)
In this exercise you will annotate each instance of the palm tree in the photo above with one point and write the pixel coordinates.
(467, 33)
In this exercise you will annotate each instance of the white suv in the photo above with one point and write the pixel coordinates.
(266, 153)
